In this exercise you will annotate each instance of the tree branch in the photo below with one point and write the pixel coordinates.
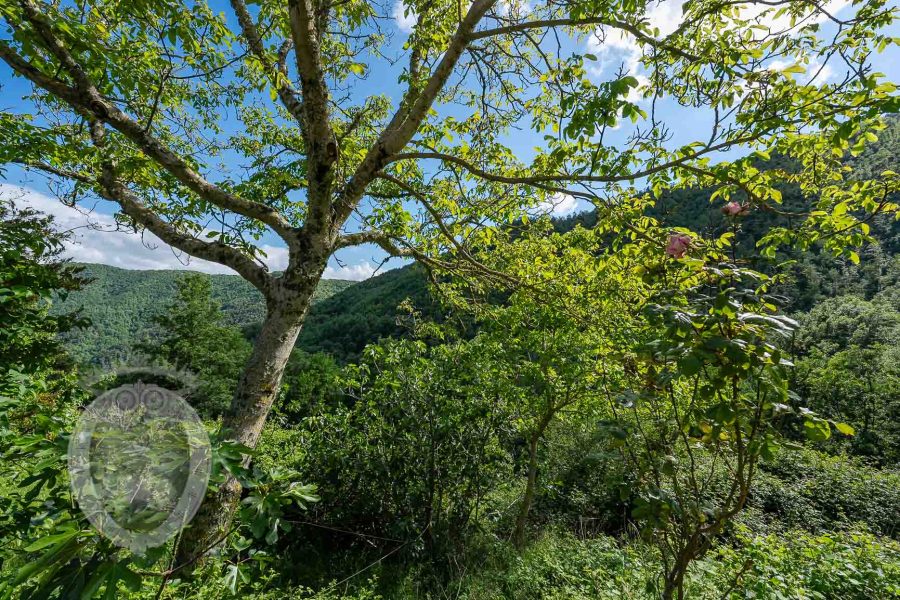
(64, 173)
(536, 180)
(393, 247)
(632, 29)
(111, 188)
(217, 252)
(322, 148)
(444, 229)
(285, 90)
(371, 236)
(55, 86)
(86, 99)
(390, 246)
(405, 122)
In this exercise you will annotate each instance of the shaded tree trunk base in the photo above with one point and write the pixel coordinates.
(528, 498)
(209, 528)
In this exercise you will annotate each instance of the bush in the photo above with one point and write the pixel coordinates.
(410, 449)
(817, 492)
(801, 489)
(799, 565)
(588, 488)
(560, 566)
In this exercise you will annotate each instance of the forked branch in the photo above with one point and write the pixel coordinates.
(85, 99)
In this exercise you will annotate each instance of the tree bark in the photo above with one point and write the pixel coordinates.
(528, 498)
(674, 580)
(531, 483)
(256, 391)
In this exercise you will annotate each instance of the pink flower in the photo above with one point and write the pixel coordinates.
(678, 245)
(734, 209)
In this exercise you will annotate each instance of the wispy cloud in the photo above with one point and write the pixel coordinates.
(615, 48)
(559, 205)
(95, 239)
(406, 19)
(514, 8)
(764, 15)
(816, 71)
(358, 272)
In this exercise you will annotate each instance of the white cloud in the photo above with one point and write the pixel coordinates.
(832, 8)
(358, 272)
(819, 73)
(617, 49)
(559, 205)
(514, 8)
(96, 240)
(405, 22)
(636, 94)
(666, 16)
(782, 24)
(616, 46)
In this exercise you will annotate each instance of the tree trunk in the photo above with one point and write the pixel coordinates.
(674, 584)
(691, 551)
(256, 391)
(528, 498)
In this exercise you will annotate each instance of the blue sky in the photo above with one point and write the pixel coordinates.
(95, 242)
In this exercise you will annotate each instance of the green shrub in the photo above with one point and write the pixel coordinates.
(799, 565)
(818, 492)
(409, 452)
(796, 565)
(560, 566)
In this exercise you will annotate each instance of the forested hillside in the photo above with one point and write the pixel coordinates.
(121, 304)
(342, 324)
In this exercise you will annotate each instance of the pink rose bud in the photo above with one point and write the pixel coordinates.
(734, 209)
(678, 245)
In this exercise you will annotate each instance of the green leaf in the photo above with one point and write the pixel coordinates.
(93, 584)
(50, 540)
(131, 579)
(690, 365)
(845, 428)
(816, 430)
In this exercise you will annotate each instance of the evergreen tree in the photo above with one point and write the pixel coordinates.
(194, 339)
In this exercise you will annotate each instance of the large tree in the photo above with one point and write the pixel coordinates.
(212, 130)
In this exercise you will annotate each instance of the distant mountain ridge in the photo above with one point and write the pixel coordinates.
(344, 323)
(121, 304)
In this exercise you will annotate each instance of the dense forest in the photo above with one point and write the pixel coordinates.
(417, 448)
(691, 389)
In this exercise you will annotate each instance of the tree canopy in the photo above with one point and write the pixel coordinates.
(142, 102)
(218, 130)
